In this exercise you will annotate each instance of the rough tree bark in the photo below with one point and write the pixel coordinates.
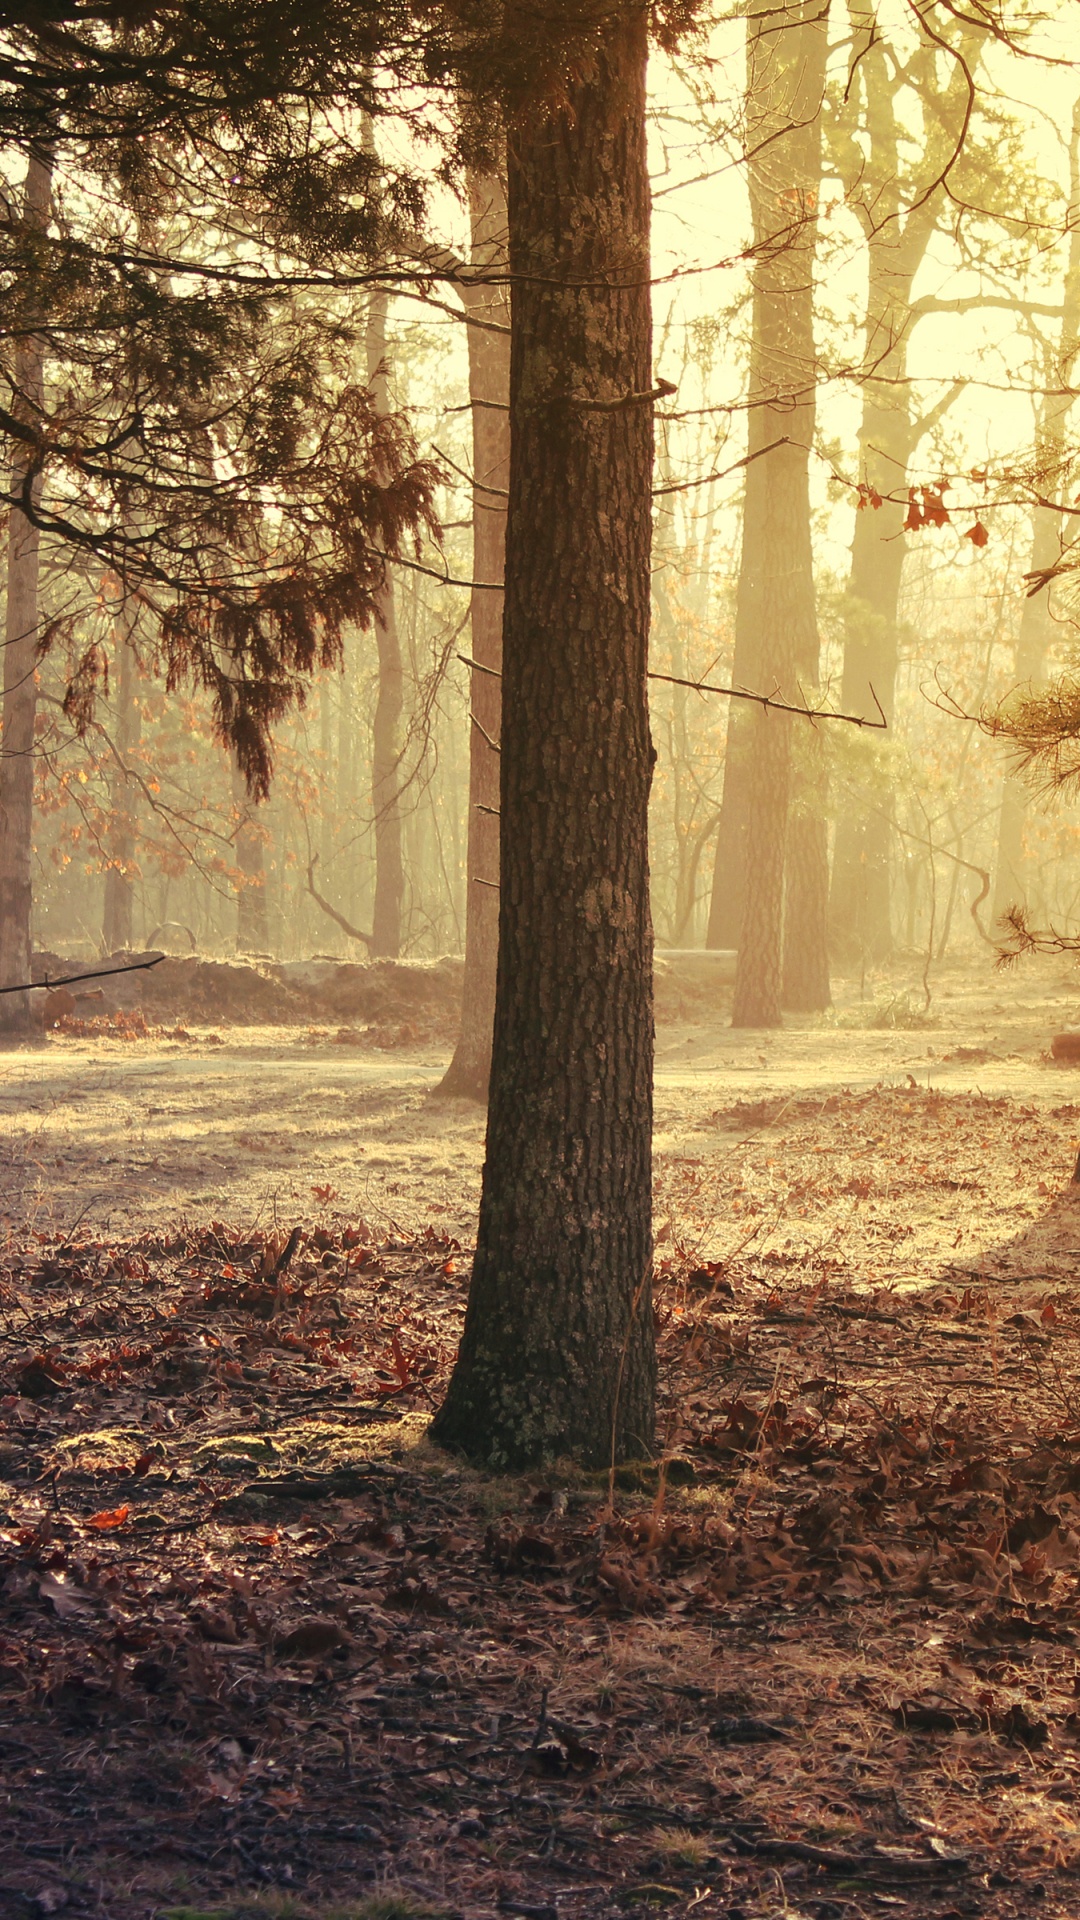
(119, 906)
(389, 703)
(557, 1355)
(488, 309)
(785, 82)
(21, 636)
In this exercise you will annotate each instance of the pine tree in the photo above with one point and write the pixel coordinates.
(557, 1354)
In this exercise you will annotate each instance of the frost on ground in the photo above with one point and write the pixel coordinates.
(263, 1650)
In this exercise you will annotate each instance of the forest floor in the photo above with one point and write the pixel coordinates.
(265, 1652)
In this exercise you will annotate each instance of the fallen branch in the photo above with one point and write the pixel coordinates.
(73, 980)
(876, 1865)
(341, 1483)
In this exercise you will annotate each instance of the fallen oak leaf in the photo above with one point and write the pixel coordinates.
(311, 1638)
(67, 1602)
(108, 1520)
(216, 1625)
(41, 1376)
(581, 1757)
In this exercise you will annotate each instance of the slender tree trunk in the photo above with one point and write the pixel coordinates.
(1011, 877)
(557, 1355)
(21, 635)
(119, 906)
(785, 81)
(249, 843)
(1011, 880)
(860, 899)
(728, 900)
(389, 704)
(897, 240)
(488, 308)
(804, 986)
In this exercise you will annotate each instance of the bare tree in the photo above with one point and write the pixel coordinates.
(22, 633)
(777, 610)
(487, 305)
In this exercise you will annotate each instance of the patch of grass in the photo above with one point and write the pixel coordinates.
(680, 1849)
(903, 1013)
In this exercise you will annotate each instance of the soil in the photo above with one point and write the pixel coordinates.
(263, 1650)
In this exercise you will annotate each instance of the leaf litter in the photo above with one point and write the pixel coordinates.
(265, 1651)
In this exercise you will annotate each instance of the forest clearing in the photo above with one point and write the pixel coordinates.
(265, 1651)
(539, 921)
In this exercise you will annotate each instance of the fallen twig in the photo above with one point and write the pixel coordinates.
(880, 1865)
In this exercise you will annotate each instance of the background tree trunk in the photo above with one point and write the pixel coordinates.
(1011, 873)
(804, 986)
(557, 1355)
(249, 843)
(390, 701)
(873, 176)
(119, 905)
(785, 81)
(489, 392)
(21, 636)
(728, 901)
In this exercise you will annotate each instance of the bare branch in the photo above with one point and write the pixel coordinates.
(73, 979)
(339, 919)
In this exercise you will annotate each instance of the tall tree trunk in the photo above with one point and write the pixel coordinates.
(727, 904)
(119, 905)
(804, 986)
(21, 636)
(249, 843)
(389, 703)
(897, 240)
(558, 1355)
(860, 897)
(488, 311)
(785, 82)
(1036, 626)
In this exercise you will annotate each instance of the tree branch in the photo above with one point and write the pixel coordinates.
(339, 919)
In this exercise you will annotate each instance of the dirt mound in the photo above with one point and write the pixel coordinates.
(380, 993)
(399, 1002)
(379, 1002)
(693, 985)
